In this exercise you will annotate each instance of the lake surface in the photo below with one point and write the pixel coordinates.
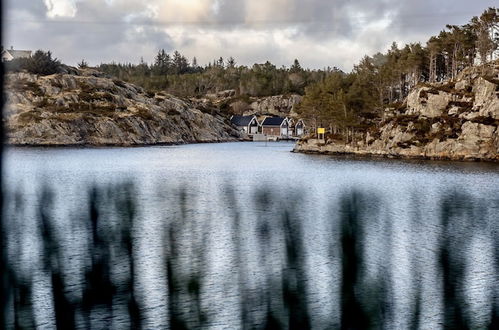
(233, 234)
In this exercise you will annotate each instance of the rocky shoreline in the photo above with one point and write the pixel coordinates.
(455, 120)
(315, 147)
(114, 145)
(87, 108)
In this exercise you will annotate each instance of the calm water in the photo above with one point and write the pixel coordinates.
(216, 211)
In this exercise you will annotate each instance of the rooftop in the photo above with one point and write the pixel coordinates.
(273, 121)
(241, 120)
(15, 53)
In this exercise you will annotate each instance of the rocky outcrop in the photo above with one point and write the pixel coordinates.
(87, 108)
(279, 105)
(276, 105)
(453, 120)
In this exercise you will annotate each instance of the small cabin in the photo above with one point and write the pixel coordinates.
(299, 128)
(275, 127)
(245, 124)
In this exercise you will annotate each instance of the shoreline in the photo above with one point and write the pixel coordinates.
(370, 155)
(345, 154)
(112, 145)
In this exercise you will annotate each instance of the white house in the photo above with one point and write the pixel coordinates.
(12, 54)
(300, 128)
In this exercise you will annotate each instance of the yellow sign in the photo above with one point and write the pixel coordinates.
(321, 130)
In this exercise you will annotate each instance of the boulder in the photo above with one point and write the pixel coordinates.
(279, 105)
(427, 102)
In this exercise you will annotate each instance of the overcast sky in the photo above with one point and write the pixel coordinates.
(319, 33)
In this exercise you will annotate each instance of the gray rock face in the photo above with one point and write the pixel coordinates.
(90, 109)
(486, 98)
(457, 121)
(279, 105)
(423, 101)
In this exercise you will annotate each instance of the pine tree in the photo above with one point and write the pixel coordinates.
(482, 26)
(296, 67)
(41, 63)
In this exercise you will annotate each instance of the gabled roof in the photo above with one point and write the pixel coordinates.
(241, 120)
(18, 53)
(273, 121)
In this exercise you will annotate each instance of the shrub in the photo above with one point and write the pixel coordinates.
(25, 85)
(83, 64)
(119, 83)
(404, 120)
(40, 63)
(485, 120)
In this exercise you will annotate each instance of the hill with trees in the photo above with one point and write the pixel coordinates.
(455, 120)
(176, 75)
(356, 101)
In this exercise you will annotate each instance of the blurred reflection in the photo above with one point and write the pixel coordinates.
(92, 269)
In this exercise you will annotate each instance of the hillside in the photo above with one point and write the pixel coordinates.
(455, 120)
(85, 107)
(230, 104)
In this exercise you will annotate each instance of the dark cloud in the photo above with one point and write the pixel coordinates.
(318, 32)
(427, 17)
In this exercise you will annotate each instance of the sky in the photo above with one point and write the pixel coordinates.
(319, 33)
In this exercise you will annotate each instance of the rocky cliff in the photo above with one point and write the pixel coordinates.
(455, 120)
(279, 105)
(276, 105)
(85, 107)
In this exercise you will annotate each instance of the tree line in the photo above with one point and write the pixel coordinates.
(177, 75)
(347, 102)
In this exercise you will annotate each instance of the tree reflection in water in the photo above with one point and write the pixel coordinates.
(105, 289)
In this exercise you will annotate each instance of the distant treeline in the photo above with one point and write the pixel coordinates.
(176, 75)
(349, 102)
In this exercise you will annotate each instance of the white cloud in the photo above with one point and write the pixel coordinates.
(189, 11)
(60, 8)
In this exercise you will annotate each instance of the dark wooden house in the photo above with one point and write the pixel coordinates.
(275, 127)
(246, 124)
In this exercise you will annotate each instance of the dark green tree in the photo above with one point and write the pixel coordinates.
(83, 64)
(296, 67)
(41, 63)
